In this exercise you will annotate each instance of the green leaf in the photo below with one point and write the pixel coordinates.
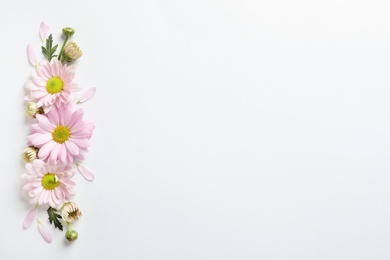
(49, 50)
(54, 217)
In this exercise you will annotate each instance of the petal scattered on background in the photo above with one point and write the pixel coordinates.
(87, 95)
(87, 173)
(30, 218)
(45, 232)
(44, 29)
(32, 57)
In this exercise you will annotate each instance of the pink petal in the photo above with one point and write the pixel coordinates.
(38, 164)
(87, 173)
(45, 232)
(43, 30)
(32, 57)
(30, 218)
(83, 143)
(55, 151)
(46, 149)
(76, 117)
(44, 123)
(39, 139)
(63, 153)
(54, 116)
(65, 116)
(72, 148)
(87, 95)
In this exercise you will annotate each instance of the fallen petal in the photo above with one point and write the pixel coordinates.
(30, 218)
(45, 232)
(32, 57)
(87, 95)
(87, 173)
(44, 29)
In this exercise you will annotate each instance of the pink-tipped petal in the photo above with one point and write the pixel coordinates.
(32, 57)
(87, 95)
(43, 30)
(45, 232)
(87, 173)
(30, 218)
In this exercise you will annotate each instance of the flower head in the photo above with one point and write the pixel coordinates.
(72, 52)
(61, 135)
(52, 85)
(70, 212)
(30, 154)
(48, 183)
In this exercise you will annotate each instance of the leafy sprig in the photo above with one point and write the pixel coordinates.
(54, 217)
(49, 51)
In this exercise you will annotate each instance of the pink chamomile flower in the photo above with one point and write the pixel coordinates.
(61, 135)
(51, 85)
(48, 183)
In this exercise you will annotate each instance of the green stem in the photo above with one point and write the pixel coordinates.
(69, 228)
(63, 47)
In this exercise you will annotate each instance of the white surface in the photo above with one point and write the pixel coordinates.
(225, 129)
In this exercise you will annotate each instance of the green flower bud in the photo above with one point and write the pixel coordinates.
(71, 235)
(68, 31)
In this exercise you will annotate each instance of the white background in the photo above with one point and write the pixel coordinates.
(224, 129)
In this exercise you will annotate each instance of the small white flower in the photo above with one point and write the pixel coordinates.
(72, 52)
(70, 212)
(32, 109)
(30, 154)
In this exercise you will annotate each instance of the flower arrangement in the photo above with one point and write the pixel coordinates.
(59, 137)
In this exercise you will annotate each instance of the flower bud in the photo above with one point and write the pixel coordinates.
(72, 52)
(68, 31)
(70, 212)
(32, 109)
(71, 235)
(30, 154)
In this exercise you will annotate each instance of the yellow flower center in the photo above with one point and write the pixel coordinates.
(61, 134)
(54, 85)
(50, 181)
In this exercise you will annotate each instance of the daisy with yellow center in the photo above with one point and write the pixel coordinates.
(61, 135)
(52, 85)
(48, 183)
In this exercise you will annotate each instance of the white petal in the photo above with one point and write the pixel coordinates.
(30, 218)
(43, 30)
(87, 173)
(32, 57)
(87, 95)
(45, 232)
